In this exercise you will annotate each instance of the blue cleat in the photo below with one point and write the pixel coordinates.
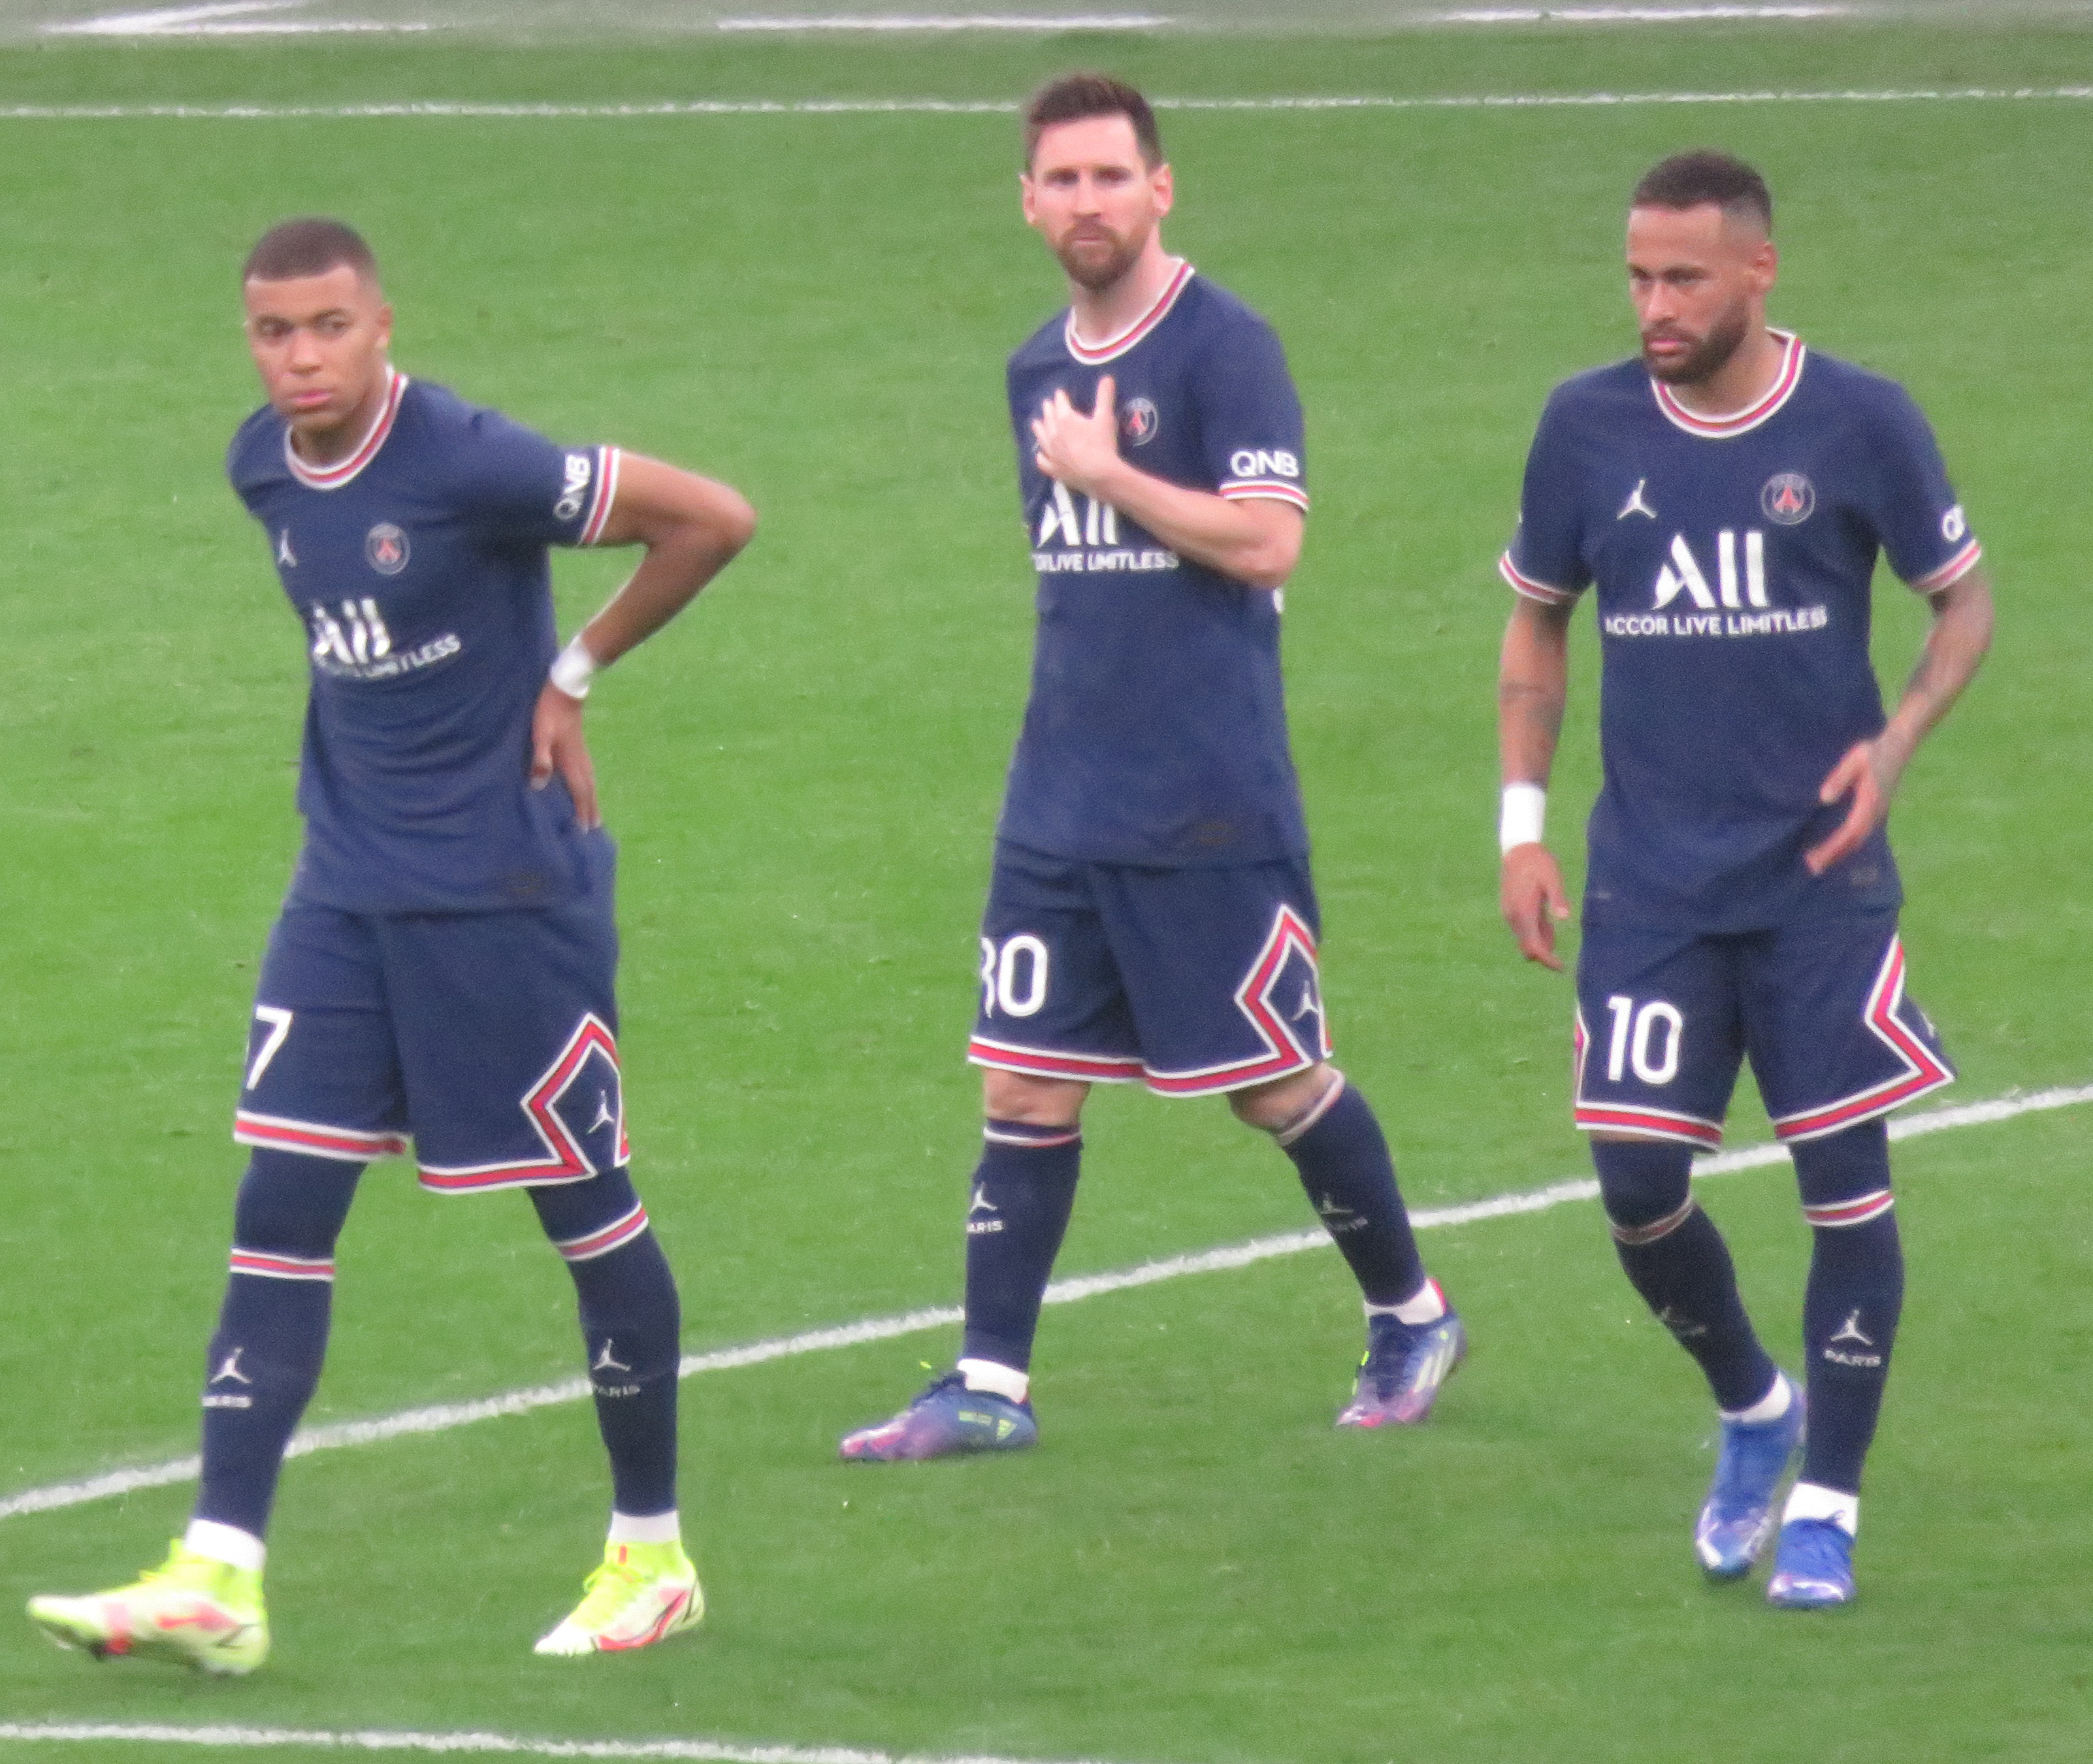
(1813, 1567)
(1736, 1518)
(946, 1419)
(1404, 1366)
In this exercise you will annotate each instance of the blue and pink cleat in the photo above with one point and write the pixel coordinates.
(946, 1420)
(1813, 1567)
(1404, 1367)
(1736, 1518)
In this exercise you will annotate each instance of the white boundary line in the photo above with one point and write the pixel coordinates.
(668, 107)
(442, 1417)
(368, 1739)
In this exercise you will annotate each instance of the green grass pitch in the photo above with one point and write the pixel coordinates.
(1193, 1569)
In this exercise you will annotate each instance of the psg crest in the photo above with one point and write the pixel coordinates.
(385, 546)
(1789, 499)
(1138, 421)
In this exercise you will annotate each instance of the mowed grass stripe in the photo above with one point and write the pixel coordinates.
(1506, 101)
(441, 1418)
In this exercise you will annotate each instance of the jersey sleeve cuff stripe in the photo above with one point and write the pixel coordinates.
(606, 495)
(1531, 589)
(1950, 572)
(1265, 489)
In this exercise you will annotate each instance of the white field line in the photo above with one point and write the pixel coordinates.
(956, 21)
(441, 1418)
(1509, 101)
(366, 1739)
(230, 18)
(1619, 15)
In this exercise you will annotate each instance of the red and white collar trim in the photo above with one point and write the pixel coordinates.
(335, 476)
(1094, 355)
(1740, 421)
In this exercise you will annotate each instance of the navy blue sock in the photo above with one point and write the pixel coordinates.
(1023, 1191)
(1676, 1258)
(264, 1361)
(1855, 1296)
(632, 1326)
(1342, 1158)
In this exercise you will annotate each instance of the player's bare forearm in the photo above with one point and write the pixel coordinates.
(1254, 541)
(1533, 688)
(1868, 774)
(692, 527)
(1954, 650)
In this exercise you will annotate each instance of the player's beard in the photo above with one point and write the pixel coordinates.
(1104, 258)
(1709, 357)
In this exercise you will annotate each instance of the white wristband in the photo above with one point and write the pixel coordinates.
(1519, 821)
(573, 668)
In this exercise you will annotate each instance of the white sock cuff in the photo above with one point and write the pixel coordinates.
(226, 1543)
(1769, 1407)
(1810, 1500)
(649, 1529)
(1001, 1380)
(1427, 1304)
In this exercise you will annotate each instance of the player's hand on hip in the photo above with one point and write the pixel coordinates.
(1074, 449)
(557, 745)
(1861, 775)
(1534, 901)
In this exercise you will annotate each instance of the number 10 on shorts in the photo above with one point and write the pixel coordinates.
(1013, 975)
(1647, 1039)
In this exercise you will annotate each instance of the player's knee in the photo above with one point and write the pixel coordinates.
(291, 1204)
(1018, 1096)
(1845, 1178)
(1646, 1186)
(1288, 1105)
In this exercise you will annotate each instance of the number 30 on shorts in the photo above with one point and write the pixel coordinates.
(1646, 1038)
(1013, 975)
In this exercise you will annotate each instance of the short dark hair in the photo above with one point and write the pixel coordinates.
(1075, 96)
(309, 245)
(1705, 176)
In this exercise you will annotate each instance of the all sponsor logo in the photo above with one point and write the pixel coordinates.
(1954, 525)
(1788, 499)
(1139, 420)
(385, 549)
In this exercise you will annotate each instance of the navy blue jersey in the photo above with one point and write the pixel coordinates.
(1156, 730)
(1733, 560)
(419, 564)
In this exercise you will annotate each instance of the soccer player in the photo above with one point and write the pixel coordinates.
(441, 973)
(1151, 915)
(1727, 494)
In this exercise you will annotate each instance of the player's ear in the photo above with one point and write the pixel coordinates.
(385, 325)
(1028, 198)
(1165, 188)
(1766, 266)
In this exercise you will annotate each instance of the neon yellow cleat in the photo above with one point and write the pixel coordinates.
(193, 1609)
(642, 1594)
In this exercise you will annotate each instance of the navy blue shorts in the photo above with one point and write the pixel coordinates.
(1665, 1018)
(487, 1039)
(1193, 981)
